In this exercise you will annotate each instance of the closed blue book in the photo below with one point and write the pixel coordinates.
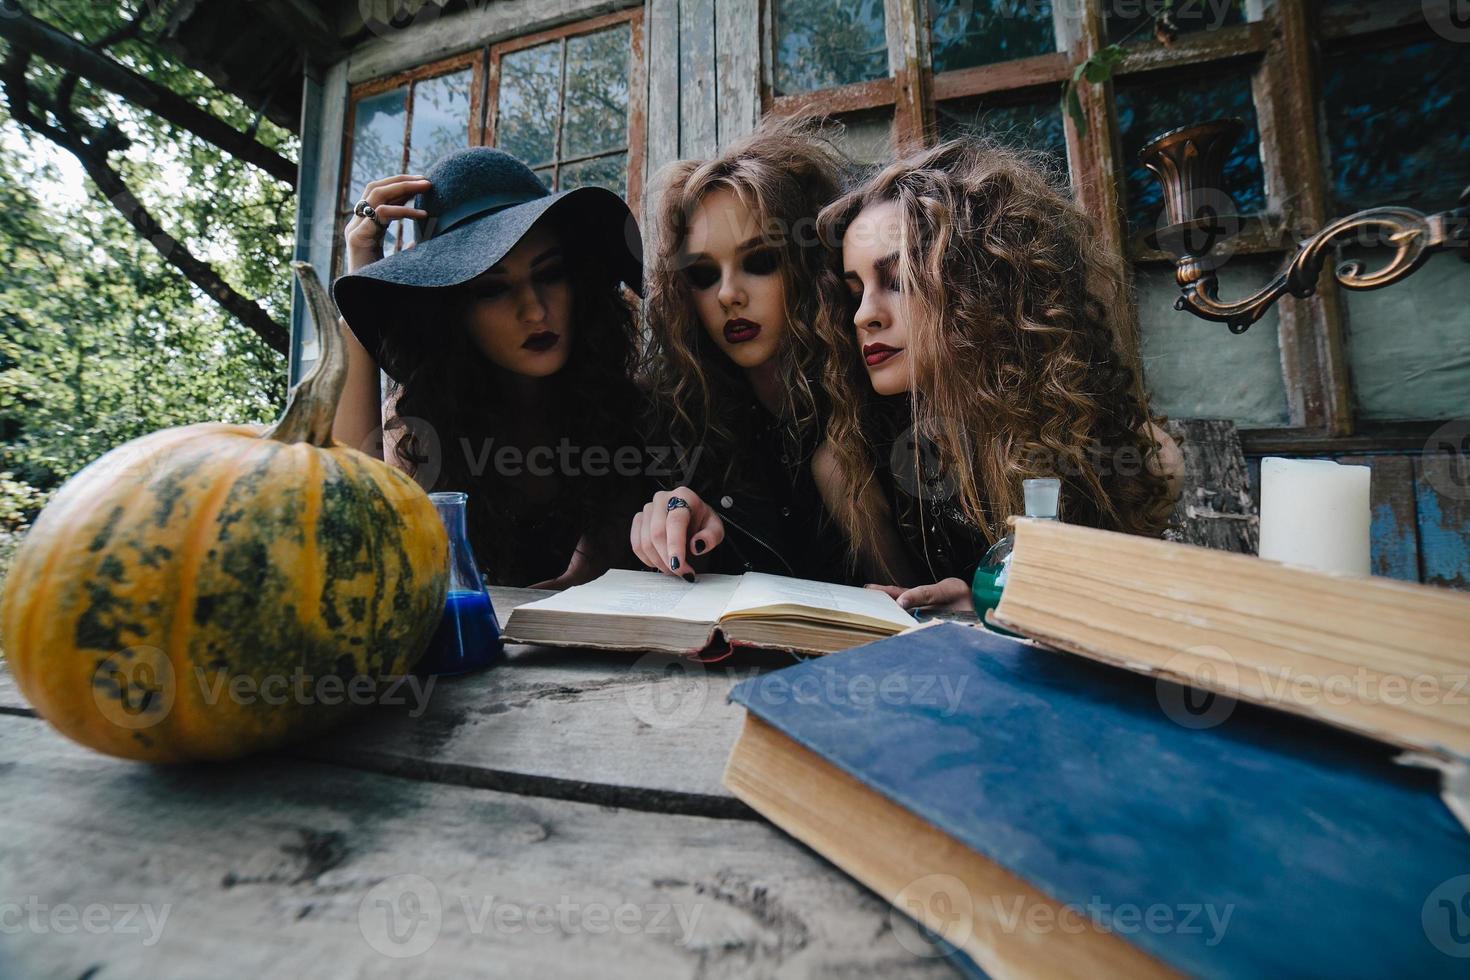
(1046, 815)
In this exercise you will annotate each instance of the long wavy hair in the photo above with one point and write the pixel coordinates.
(784, 172)
(593, 401)
(1015, 369)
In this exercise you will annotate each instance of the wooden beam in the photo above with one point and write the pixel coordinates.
(1313, 351)
(303, 22)
(447, 34)
(697, 132)
(1368, 437)
(844, 98)
(71, 55)
(1008, 76)
(663, 101)
(1098, 174)
(737, 68)
(1215, 48)
(907, 25)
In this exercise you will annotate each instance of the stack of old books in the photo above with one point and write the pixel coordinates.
(1208, 765)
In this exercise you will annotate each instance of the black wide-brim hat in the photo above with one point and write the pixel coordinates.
(481, 203)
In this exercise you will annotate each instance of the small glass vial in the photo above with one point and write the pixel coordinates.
(990, 577)
(468, 636)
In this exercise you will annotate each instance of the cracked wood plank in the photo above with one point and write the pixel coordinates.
(277, 867)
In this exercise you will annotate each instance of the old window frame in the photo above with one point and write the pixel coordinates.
(1282, 48)
(484, 92)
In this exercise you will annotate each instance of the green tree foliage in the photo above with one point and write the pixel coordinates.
(101, 340)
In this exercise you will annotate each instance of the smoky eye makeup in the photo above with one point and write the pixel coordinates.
(761, 262)
(702, 275)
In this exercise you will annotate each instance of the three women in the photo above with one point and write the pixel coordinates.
(941, 333)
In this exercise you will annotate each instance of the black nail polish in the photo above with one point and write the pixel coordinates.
(699, 547)
(674, 563)
(689, 576)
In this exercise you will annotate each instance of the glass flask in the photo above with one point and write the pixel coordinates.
(468, 636)
(990, 577)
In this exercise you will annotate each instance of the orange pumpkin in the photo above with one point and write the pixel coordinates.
(213, 590)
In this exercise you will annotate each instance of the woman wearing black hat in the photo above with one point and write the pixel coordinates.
(510, 341)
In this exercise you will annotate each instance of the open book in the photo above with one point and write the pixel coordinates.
(628, 610)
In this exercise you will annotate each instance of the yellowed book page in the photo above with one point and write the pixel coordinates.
(762, 596)
(645, 595)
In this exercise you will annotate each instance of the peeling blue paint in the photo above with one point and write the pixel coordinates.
(1444, 542)
(1395, 545)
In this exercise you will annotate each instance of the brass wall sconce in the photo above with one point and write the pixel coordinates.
(1199, 215)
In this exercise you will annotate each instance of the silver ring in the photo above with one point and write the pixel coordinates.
(366, 210)
(675, 503)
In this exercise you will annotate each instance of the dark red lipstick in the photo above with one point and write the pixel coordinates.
(541, 340)
(739, 330)
(875, 354)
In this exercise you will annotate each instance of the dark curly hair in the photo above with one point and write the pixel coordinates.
(593, 401)
(1008, 298)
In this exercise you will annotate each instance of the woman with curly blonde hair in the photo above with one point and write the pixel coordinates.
(974, 350)
(734, 357)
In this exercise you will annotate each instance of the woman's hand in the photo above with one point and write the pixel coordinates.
(949, 595)
(663, 538)
(387, 196)
(579, 570)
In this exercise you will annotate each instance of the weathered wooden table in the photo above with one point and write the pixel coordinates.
(559, 815)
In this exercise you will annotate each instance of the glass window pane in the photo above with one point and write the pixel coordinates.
(441, 118)
(982, 32)
(1197, 369)
(820, 43)
(1031, 125)
(1396, 125)
(597, 92)
(610, 172)
(529, 100)
(378, 126)
(547, 177)
(1147, 111)
(1134, 21)
(1397, 135)
(866, 136)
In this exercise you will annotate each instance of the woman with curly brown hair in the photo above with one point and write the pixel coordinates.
(733, 297)
(974, 350)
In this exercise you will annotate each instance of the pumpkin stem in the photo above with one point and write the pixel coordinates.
(312, 404)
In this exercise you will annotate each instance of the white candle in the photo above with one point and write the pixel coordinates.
(1315, 513)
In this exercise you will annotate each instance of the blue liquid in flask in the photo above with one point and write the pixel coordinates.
(468, 636)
